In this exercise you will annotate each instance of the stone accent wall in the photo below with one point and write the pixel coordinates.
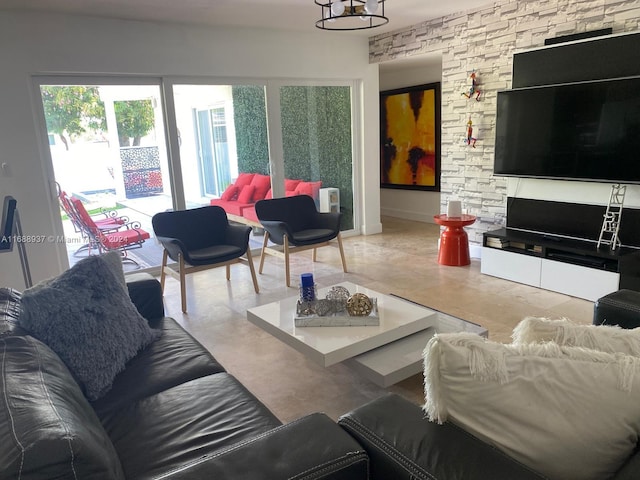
(485, 40)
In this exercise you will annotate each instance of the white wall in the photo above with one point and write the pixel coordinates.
(49, 44)
(414, 205)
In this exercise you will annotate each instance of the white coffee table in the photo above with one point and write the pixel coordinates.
(385, 354)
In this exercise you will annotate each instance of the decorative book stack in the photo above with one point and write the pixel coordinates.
(496, 242)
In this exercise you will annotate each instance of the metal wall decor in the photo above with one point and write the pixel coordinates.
(351, 14)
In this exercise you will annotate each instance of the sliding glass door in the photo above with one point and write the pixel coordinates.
(129, 149)
(317, 145)
(222, 133)
(108, 152)
(301, 137)
(214, 150)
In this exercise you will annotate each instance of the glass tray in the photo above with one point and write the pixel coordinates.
(337, 315)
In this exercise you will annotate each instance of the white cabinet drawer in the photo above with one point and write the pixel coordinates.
(577, 281)
(511, 266)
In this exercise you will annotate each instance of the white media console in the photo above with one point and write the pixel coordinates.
(574, 280)
(573, 267)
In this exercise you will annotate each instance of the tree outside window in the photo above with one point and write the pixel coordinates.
(135, 119)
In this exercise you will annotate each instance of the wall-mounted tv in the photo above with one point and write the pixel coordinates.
(577, 131)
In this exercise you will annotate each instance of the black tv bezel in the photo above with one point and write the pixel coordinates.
(553, 177)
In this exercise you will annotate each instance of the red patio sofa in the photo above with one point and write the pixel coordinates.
(239, 198)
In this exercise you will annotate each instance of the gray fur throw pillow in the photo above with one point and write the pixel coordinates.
(85, 315)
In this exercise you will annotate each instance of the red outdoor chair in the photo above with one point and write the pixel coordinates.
(107, 221)
(122, 237)
(107, 218)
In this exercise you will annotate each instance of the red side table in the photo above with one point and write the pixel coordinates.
(454, 242)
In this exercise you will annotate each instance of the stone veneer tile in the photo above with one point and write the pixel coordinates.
(485, 39)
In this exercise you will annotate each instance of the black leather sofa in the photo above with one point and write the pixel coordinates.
(403, 445)
(173, 413)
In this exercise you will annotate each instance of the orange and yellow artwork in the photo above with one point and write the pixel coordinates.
(409, 136)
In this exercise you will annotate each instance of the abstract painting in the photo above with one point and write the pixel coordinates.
(410, 138)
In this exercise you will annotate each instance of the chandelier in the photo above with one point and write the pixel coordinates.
(351, 14)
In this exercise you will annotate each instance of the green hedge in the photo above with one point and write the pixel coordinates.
(250, 117)
(316, 126)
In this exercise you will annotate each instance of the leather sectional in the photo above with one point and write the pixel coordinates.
(175, 413)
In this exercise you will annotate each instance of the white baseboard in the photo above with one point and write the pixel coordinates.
(371, 229)
(405, 215)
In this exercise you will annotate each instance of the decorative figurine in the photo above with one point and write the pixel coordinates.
(339, 296)
(324, 307)
(338, 293)
(473, 90)
(470, 139)
(359, 305)
(338, 309)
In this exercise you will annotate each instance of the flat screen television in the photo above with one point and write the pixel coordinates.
(578, 131)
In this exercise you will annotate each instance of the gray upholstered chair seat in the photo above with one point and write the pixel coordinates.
(203, 256)
(312, 235)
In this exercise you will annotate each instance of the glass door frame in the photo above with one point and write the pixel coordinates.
(274, 128)
(171, 136)
(275, 135)
(167, 84)
(39, 80)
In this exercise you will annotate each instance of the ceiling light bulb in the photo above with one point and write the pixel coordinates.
(337, 9)
(371, 6)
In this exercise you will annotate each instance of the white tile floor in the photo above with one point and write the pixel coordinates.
(402, 260)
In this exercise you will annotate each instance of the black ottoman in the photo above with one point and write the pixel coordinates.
(618, 308)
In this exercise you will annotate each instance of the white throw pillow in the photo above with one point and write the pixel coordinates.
(607, 338)
(569, 413)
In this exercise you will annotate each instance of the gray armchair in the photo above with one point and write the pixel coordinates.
(294, 223)
(199, 239)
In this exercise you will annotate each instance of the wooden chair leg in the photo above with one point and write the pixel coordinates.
(286, 260)
(183, 286)
(315, 255)
(163, 274)
(262, 253)
(228, 272)
(344, 261)
(253, 271)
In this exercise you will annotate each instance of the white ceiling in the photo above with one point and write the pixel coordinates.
(299, 15)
